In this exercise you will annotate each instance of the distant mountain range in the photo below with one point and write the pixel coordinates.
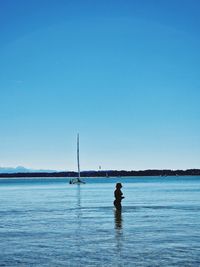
(21, 169)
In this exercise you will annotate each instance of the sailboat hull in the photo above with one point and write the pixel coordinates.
(76, 181)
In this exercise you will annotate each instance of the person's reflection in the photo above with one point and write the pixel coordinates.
(118, 219)
(118, 235)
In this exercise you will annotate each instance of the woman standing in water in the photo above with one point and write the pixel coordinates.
(118, 196)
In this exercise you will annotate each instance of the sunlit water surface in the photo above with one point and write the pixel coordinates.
(48, 222)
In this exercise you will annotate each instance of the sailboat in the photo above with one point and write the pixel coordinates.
(78, 179)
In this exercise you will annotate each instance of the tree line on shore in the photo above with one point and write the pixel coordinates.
(104, 173)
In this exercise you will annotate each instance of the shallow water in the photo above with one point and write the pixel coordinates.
(48, 222)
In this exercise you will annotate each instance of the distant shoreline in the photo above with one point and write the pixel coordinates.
(111, 173)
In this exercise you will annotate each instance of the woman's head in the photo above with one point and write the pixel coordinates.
(118, 185)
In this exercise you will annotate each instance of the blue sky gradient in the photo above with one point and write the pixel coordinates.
(124, 74)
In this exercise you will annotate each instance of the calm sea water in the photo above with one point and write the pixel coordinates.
(48, 222)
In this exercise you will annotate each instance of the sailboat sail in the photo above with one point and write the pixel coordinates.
(77, 180)
(78, 161)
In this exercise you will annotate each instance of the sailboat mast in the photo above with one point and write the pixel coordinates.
(78, 162)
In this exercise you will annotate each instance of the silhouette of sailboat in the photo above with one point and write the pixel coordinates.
(78, 179)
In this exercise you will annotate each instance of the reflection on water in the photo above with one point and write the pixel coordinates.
(78, 198)
(118, 219)
(78, 208)
(118, 234)
(78, 229)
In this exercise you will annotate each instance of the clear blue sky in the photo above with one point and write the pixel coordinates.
(124, 74)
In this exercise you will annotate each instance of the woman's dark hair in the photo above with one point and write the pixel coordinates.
(118, 185)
